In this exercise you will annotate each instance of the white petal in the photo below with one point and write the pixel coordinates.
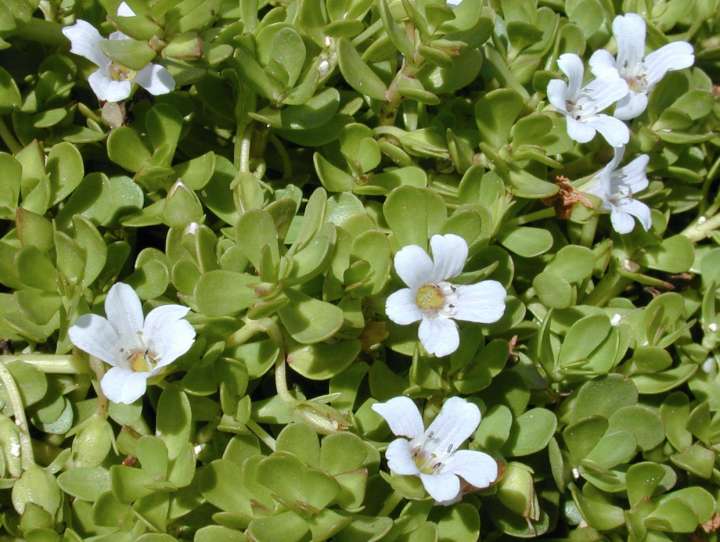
(413, 266)
(453, 425)
(399, 458)
(441, 487)
(615, 131)
(155, 79)
(123, 385)
(400, 307)
(602, 64)
(477, 468)
(108, 90)
(629, 32)
(600, 94)
(631, 106)
(167, 334)
(483, 302)
(454, 3)
(123, 309)
(119, 36)
(618, 154)
(402, 416)
(572, 66)
(439, 336)
(579, 131)
(449, 254)
(96, 336)
(673, 56)
(639, 210)
(634, 174)
(557, 91)
(85, 41)
(124, 10)
(621, 221)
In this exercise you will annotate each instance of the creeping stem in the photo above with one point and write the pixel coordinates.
(50, 363)
(18, 409)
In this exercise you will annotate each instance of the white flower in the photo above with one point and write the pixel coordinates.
(454, 3)
(582, 105)
(136, 347)
(641, 72)
(434, 301)
(615, 188)
(433, 455)
(112, 82)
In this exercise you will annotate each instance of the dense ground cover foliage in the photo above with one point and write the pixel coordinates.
(354, 270)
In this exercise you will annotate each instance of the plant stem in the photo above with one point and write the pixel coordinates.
(548, 212)
(50, 363)
(8, 138)
(99, 370)
(610, 286)
(281, 379)
(701, 228)
(18, 409)
(587, 233)
(390, 504)
(244, 334)
(260, 433)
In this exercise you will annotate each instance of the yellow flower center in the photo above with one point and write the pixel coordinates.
(118, 72)
(430, 298)
(426, 463)
(141, 362)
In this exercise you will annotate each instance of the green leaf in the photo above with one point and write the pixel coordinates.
(221, 292)
(128, 52)
(531, 432)
(414, 214)
(309, 320)
(358, 74)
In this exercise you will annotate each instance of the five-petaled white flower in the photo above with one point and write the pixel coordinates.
(641, 72)
(615, 188)
(136, 347)
(431, 299)
(433, 455)
(582, 105)
(112, 82)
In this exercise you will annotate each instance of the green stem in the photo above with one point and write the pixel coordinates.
(281, 379)
(610, 286)
(548, 212)
(18, 409)
(99, 370)
(390, 504)
(587, 233)
(260, 433)
(9, 138)
(50, 363)
(244, 334)
(243, 149)
(283, 154)
(709, 178)
(701, 228)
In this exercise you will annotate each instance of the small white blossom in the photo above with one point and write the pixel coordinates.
(136, 347)
(615, 320)
(454, 3)
(435, 302)
(582, 105)
(615, 188)
(112, 82)
(641, 72)
(433, 455)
